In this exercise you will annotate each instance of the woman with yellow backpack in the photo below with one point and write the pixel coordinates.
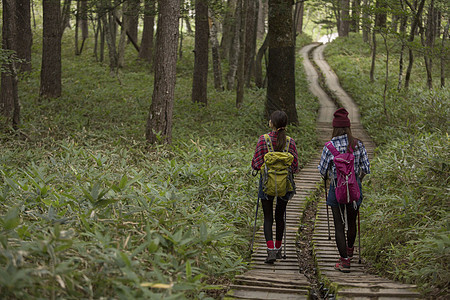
(276, 155)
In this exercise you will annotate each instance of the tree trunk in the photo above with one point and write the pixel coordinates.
(429, 43)
(234, 49)
(356, 11)
(258, 63)
(344, 20)
(250, 40)
(188, 25)
(121, 48)
(380, 13)
(298, 17)
(180, 49)
(81, 22)
(443, 58)
(228, 29)
(281, 67)
(159, 122)
(366, 21)
(403, 22)
(386, 78)
(146, 50)
(217, 68)
(200, 80)
(262, 13)
(65, 16)
(374, 54)
(9, 101)
(241, 60)
(130, 38)
(110, 37)
(412, 33)
(84, 21)
(24, 35)
(102, 40)
(131, 19)
(51, 50)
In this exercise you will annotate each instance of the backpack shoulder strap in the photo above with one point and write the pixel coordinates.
(332, 149)
(268, 142)
(288, 142)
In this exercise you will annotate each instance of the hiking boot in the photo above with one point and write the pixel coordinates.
(350, 252)
(343, 265)
(271, 256)
(279, 253)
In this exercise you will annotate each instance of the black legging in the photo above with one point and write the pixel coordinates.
(339, 227)
(280, 208)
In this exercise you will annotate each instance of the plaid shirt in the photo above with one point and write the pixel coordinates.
(261, 150)
(340, 143)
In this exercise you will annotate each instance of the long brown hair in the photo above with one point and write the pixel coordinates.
(352, 141)
(279, 121)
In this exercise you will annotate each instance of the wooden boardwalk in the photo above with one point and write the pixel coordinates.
(358, 284)
(283, 279)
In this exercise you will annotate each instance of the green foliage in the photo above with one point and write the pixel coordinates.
(88, 210)
(405, 213)
(408, 198)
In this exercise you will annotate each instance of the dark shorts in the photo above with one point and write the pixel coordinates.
(331, 199)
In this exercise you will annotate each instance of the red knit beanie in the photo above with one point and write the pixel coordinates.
(341, 118)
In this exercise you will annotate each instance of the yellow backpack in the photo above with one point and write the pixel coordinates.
(277, 175)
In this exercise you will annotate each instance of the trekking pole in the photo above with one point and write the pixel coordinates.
(254, 227)
(285, 237)
(328, 214)
(359, 239)
(254, 173)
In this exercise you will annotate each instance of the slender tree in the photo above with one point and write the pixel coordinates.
(366, 20)
(24, 34)
(298, 16)
(356, 11)
(81, 22)
(443, 58)
(381, 13)
(374, 54)
(262, 13)
(215, 51)
(344, 19)
(258, 63)
(415, 23)
(403, 23)
(241, 60)
(146, 50)
(228, 29)
(109, 25)
(281, 66)
(131, 19)
(159, 122)
(51, 50)
(234, 49)
(427, 38)
(9, 100)
(200, 80)
(251, 22)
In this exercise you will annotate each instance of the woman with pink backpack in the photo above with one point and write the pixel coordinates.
(349, 155)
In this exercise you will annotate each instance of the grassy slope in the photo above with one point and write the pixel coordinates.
(88, 210)
(406, 212)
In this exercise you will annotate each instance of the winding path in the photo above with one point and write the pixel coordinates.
(283, 279)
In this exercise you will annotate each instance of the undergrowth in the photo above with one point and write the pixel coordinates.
(405, 220)
(88, 210)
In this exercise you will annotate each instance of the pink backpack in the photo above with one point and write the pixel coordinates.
(347, 189)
